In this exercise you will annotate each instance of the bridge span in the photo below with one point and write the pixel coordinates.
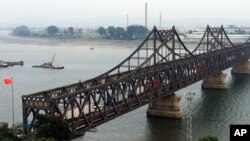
(161, 65)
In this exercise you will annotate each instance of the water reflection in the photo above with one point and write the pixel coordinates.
(164, 129)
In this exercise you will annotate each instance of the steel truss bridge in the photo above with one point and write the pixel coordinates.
(161, 65)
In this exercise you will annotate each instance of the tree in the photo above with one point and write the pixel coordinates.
(51, 127)
(111, 31)
(136, 31)
(119, 33)
(209, 138)
(101, 31)
(52, 30)
(232, 26)
(71, 30)
(10, 134)
(5, 133)
(22, 31)
(132, 32)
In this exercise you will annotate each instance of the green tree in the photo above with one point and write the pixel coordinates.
(119, 33)
(52, 30)
(10, 134)
(101, 31)
(111, 31)
(232, 26)
(132, 32)
(5, 134)
(208, 138)
(71, 30)
(17, 129)
(136, 31)
(22, 31)
(51, 127)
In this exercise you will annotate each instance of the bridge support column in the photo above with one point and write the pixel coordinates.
(215, 81)
(167, 107)
(243, 68)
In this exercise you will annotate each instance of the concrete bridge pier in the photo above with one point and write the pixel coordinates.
(243, 68)
(215, 81)
(167, 107)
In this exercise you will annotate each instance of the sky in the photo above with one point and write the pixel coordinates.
(94, 13)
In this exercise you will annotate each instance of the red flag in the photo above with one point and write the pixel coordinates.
(8, 81)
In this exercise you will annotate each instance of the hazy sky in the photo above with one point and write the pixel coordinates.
(113, 12)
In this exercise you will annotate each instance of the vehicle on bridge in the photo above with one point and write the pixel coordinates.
(155, 84)
(73, 111)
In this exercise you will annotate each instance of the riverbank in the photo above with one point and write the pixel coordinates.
(5, 37)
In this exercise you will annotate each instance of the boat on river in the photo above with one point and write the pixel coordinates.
(49, 65)
(3, 65)
(6, 64)
(14, 63)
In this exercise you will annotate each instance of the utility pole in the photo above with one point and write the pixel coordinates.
(146, 15)
(189, 98)
(160, 22)
(146, 25)
(127, 21)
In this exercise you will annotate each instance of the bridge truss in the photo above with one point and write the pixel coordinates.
(161, 65)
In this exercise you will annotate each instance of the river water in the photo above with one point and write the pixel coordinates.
(213, 110)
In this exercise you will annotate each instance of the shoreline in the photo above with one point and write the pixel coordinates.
(6, 37)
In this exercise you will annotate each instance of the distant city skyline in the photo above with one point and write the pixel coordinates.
(94, 13)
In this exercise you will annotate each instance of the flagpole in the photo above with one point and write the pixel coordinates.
(13, 119)
(8, 81)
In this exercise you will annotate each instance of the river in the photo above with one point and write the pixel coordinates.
(213, 110)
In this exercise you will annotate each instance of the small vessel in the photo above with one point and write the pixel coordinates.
(49, 65)
(14, 63)
(91, 48)
(3, 64)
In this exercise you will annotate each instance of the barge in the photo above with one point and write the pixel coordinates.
(49, 65)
